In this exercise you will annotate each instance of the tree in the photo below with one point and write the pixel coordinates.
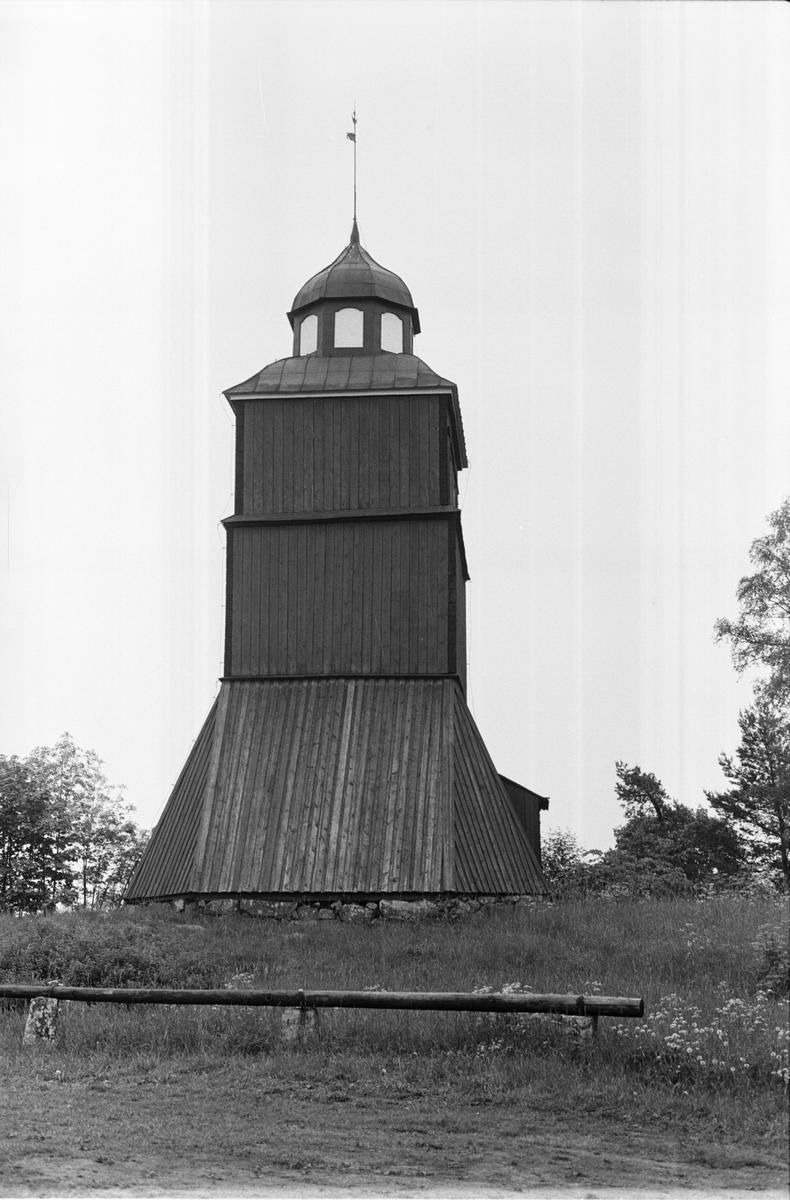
(101, 828)
(35, 845)
(691, 843)
(664, 843)
(21, 810)
(663, 848)
(761, 634)
(758, 802)
(66, 835)
(638, 791)
(121, 854)
(565, 864)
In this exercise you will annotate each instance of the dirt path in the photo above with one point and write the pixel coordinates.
(200, 1135)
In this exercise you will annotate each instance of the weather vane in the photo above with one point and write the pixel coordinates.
(352, 137)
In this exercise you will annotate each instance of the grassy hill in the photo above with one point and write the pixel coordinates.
(705, 1074)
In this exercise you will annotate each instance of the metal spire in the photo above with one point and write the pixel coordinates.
(352, 137)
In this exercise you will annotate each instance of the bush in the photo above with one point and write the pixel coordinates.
(88, 949)
(568, 869)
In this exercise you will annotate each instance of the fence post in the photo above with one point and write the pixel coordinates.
(299, 1025)
(42, 1021)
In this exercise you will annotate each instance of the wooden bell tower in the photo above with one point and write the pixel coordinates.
(340, 759)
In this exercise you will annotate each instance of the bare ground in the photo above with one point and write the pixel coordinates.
(182, 1132)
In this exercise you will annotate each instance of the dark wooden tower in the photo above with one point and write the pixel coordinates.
(340, 759)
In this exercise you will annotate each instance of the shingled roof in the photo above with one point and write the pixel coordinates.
(348, 373)
(341, 373)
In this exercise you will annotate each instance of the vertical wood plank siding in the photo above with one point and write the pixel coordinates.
(492, 851)
(371, 597)
(527, 806)
(329, 786)
(239, 463)
(459, 639)
(306, 455)
(165, 868)
(347, 780)
(338, 786)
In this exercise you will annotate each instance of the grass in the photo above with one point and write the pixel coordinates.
(639, 947)
(710, 1057)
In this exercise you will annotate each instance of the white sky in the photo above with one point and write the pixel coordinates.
(589, 203)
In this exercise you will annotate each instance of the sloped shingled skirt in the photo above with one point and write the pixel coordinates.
(336, 787)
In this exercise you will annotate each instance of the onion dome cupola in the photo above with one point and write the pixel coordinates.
(354, 306)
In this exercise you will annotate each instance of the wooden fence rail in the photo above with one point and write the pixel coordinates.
(491, 1002)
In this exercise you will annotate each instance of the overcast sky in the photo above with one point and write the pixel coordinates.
(589, 204)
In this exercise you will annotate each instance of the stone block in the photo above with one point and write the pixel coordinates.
(41, 1026)
(307, 912)
(355, 912)
(410, 910)
(326, 914)
(299, 1025)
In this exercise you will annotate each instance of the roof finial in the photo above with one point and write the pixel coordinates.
(352, 137)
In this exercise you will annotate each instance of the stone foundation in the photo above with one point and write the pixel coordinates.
(452, 908)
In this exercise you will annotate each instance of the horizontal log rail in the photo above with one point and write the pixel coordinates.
(491, 1002)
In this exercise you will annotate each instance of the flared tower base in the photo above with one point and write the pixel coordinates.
(345, 788)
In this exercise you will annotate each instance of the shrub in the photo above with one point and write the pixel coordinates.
(87, 949)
